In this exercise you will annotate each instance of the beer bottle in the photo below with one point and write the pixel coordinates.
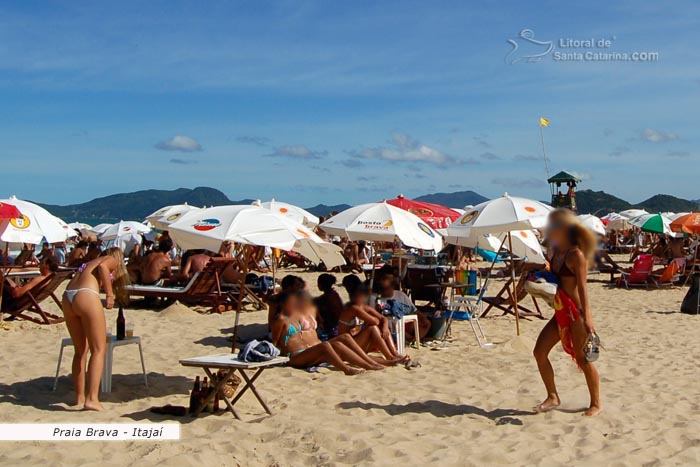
(203, 393)
(121, 325)
(210, 404)
(194, 396)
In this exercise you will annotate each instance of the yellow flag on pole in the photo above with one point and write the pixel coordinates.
(544, 121)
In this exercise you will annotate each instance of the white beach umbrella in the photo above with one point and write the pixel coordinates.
(124, 229)
(165, 216)
(382, 222)
(592, 223)
(630, 213)
(525, 244)
(499, 215)
(80, 226)
(35, 224)
(502, 216)
(616, 221)
(290, 211)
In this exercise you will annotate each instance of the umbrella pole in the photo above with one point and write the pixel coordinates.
(374, 268)
(495, 258)
(515, 286)
(2, 283)
(241, 295)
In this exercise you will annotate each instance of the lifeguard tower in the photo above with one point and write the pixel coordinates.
(567, 199)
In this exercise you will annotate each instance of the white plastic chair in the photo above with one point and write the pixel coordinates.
(398, 328)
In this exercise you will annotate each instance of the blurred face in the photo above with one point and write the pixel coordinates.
(290, 306)
(359, 298)
(557, 232)
(387, 282)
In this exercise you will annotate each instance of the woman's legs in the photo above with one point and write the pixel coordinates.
(75, 329)
(323, 352)
(353, 358)
(548, 338)
(579, 335)
(370, 337)
(88, 307)
(349, 343)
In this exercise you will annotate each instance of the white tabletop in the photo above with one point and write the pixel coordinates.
(229, 361)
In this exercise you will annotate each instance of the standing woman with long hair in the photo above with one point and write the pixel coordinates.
(85, 319)
(571, 247)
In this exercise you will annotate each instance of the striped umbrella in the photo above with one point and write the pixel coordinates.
(654, 223)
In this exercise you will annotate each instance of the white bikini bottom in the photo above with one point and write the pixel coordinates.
(70, 294)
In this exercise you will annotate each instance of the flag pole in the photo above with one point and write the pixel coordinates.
(544, 153)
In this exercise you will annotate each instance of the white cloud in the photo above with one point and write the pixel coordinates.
(179, 143)
(657, 136)
(296, 152)
(403, 148)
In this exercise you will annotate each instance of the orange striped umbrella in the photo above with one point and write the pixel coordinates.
(690, 224)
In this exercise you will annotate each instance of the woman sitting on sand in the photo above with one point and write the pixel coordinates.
(571, 247)
(305, 349)
(85, 319)
(367, 326)
(289, 284)
(329, 303)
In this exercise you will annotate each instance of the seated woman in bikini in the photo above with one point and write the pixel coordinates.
(305, 349)
(367, 326)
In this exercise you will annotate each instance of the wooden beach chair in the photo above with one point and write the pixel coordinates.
(503, 300)
(28, 306)
(204, 288)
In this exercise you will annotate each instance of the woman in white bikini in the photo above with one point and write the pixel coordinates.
(85, 319)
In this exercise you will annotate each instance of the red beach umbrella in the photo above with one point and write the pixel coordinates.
(8, 211)
(436, 216)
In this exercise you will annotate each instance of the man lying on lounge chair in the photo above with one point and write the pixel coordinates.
(47, 266)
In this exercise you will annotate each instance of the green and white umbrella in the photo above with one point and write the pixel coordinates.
(654, 223)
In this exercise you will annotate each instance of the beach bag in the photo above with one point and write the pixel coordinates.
(542, 284)
(258, 351)
(690, 301)
(229, 389)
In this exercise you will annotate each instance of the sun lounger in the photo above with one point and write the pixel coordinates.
(204, 288)
(29, 304)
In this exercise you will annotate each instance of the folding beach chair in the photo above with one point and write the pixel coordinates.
(204, 288)
(640, 273)
(472, 306)
(504, 298)
(29, 304)
(670, 275)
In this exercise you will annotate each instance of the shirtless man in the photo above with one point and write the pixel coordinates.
(195, 263)
(156, 266)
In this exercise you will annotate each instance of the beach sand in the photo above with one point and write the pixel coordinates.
(464, 405)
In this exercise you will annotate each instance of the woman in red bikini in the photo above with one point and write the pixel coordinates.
(571, 246)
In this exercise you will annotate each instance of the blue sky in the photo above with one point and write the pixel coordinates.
(333, 101)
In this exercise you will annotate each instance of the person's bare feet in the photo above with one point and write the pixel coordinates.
(93, 405)
(354, 371)
(550, 403)
(592, 411)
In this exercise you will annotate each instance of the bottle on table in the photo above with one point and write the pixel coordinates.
(121, 324)
(194, 396)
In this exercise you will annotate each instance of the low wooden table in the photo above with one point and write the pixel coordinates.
(229, 363)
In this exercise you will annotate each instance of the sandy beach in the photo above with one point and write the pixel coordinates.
(463, 406)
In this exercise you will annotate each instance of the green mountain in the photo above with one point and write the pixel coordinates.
(599, 202)
(323, 210)
(664, 203)
(139, 204)
(457, 199)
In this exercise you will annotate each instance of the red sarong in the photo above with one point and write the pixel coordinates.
(565, 312)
